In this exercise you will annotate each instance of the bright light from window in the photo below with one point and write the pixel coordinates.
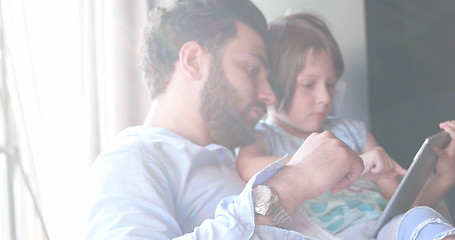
(44, 39)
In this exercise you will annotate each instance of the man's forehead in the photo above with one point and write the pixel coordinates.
(248, 41)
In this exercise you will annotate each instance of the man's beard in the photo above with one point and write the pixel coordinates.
(226, 124)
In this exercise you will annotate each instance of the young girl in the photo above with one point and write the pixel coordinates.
(305, 65)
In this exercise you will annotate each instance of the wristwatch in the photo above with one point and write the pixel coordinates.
(266, 203)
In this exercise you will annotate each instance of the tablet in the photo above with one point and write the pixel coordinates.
(422, 167)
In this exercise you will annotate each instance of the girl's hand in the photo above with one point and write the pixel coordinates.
(445, 167)
(378, 165)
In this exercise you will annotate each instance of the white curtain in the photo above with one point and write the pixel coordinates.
(112, 33)
(73, 79)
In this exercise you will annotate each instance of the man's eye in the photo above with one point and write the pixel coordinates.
(252, 70)
(307, 85)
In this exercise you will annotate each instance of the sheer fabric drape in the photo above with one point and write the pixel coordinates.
(72, 81)
(111, 68)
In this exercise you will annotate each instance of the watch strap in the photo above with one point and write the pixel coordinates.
(281, 218)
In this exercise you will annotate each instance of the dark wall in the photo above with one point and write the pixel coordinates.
(411, 58)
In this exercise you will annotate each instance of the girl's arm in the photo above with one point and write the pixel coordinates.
(440, 183)
(253, 158)
(380, 167)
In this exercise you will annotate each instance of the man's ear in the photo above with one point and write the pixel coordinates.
(192, 59)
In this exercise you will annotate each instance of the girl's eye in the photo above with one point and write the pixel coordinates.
(331, 85)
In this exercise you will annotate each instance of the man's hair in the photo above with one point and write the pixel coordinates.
(209, 22)
(290, 39)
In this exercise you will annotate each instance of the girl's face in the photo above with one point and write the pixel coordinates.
(313, 96)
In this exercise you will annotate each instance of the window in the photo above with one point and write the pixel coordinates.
(70, 80)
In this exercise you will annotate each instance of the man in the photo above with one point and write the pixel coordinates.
(206, 66)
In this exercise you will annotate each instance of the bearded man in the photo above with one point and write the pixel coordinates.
(206, 66)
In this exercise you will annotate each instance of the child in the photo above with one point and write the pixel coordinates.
(305, 65)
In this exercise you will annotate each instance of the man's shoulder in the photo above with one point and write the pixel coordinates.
(140, 136)
(144, 145)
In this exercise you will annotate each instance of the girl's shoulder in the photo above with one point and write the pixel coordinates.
(344, 125)
(351, 132)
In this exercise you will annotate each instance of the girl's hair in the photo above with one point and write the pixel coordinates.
(291, 38)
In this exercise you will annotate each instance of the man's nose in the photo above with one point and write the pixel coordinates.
(265, 92)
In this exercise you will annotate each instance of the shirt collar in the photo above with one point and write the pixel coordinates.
(224, 154)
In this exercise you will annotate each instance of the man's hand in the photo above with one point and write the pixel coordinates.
(322, 163)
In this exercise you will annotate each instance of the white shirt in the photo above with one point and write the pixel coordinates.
(155, 184)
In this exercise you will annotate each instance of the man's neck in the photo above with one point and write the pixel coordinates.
(179, 118)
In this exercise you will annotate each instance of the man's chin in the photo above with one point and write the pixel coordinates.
(252, 121)
(237, 142)
(235, 133)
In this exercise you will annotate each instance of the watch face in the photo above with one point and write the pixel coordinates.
(267, 203)
(261, 195)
